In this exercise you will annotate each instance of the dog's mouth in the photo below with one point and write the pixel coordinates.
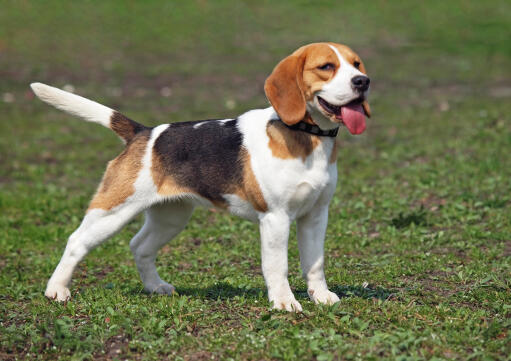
(352, 114)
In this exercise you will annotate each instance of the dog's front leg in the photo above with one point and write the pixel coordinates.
(274, 230)
(311, 230)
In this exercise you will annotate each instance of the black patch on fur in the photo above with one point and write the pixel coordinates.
(125, 127)
(205, 159)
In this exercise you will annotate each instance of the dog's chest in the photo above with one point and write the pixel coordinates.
(291, 179)
(288, 188)
(307, 185)
(296, 185)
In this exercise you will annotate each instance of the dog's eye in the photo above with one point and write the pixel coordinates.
(356, 64)
(327, 66)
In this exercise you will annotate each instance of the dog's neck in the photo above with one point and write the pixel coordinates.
(316, 117)
(307, 125)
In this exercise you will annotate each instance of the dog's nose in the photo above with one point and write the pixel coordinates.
(360, 83)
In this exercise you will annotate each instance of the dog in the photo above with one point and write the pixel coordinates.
(271, 166)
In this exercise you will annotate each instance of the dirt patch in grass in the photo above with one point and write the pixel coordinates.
(507, 249)
(434, 282)
(83, 272)
(5, 180)
(102, 272)
(196, 241)
(458, 253)
(430, 202)
(199, 356)
(12, 356)
(184, 266)
(116, 347)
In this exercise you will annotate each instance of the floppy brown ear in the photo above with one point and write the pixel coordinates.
(367, 108)
(283, 90)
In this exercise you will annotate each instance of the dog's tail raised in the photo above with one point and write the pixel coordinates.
(88, 110)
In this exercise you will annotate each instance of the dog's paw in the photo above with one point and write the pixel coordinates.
(57, 292)
(289, 304)
(323, 296)
(162, 288)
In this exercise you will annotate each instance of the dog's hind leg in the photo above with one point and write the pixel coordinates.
(97, 226)
(163, 222)
(127, 188)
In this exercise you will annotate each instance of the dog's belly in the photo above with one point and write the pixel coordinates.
(241, 207)
(301, 202)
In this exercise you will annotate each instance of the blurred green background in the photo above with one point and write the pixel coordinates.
(209, 51)
(419, 239)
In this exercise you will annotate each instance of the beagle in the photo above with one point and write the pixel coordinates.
(272, 166)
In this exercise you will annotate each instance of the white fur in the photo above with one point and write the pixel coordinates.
(96, 227)
(241, 207)
(73, 104)
(199, 124)
(145, 189)
(162, 223)
(221, 121)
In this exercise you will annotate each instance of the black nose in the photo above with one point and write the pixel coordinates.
(360, 83)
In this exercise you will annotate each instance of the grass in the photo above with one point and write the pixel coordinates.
(419, 238)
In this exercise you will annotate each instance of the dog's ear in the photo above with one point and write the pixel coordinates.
(283, 89)
(367, 108)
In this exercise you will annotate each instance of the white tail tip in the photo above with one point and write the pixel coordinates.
(73, 104)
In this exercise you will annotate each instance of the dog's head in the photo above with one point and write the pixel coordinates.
(326, 80)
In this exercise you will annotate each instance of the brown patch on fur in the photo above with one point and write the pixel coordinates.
(367, 108)
(120, 175)
(125, 128)
(284, 92)
(308, 119)
(313, 78)
(250, 189)
(165, 183)
(286, 143)
(333, 155)
(350, 56)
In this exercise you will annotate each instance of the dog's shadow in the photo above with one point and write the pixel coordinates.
(223, 290)
(367, 292)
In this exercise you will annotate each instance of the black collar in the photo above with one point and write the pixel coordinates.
(313, 129)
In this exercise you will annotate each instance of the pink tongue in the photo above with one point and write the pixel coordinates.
(354, 118)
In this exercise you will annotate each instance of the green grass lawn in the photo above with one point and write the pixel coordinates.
(419, 239)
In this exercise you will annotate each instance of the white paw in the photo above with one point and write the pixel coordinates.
(57, 292)
(162, 288)
(323, 296)
(286, 303)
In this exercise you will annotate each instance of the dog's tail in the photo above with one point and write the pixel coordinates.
(88, 110)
